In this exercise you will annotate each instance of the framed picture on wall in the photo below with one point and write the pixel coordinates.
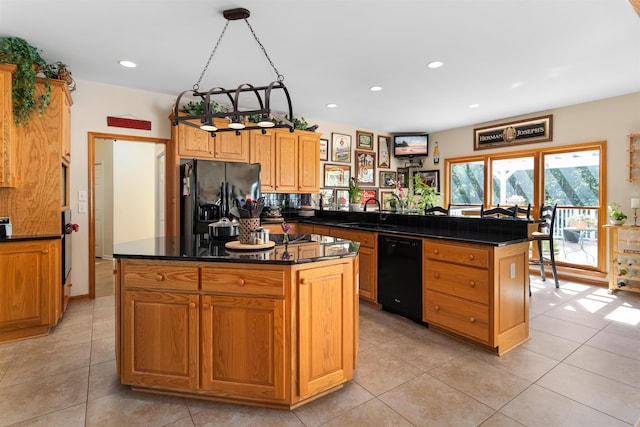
(384, 156)
(340, 148)
(368, 193)
(364, 140)
(403, 177)
(342, 199)
(336, 175)
(324, 149)
(365, 167)
(387, 179)
(431, 178)
(387, 200)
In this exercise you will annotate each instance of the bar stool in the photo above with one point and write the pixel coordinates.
(436, 210)
(545, 234)
(498, 212)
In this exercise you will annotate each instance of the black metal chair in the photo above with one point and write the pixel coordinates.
(436, 210)
(498, 212)
(523, 212)
(545, 234)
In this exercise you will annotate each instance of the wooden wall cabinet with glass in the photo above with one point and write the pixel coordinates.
(30, 295)
(634, 157)
(253, 334)
(624, 262)
(477, 292)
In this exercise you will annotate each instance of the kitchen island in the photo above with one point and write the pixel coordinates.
(275, 328)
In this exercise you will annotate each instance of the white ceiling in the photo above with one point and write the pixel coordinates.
(510, 56)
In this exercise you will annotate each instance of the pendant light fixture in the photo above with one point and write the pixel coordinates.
(205, 120)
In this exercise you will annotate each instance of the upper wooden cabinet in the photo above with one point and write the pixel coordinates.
(7, 129)
(65, 117)
(290, 160)
(225, 146)
(308, 162)
(229, 147)
(262, 150)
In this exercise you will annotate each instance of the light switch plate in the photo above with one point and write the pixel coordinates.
(82, 195)
(82, 207)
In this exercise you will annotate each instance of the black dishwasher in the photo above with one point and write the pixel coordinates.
(400, 276)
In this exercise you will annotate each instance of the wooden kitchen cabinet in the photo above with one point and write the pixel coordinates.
(272, 335)
(229, 147)
(286, 162)
(65, 116)
(243, 346)
(262, 150)
(160, 338)
(325, 313)
(368, 256)
(308, 162)
(290, 161)
(30, 288)
(195, 143)
(8, 140)
(477, 292)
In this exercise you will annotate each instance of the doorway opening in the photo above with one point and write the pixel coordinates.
(127, 199)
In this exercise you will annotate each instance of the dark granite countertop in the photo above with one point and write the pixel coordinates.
(316, 248)
(486, 231)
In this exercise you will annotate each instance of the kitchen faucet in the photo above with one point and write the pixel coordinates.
(370, 199)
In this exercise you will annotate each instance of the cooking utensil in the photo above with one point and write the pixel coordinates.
(234, 211)
(223, 228)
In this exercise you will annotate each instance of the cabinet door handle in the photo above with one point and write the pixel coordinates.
(305, 282)
(436, 275)
(44, 251)
(437, 308)
(192, 305)
(471, 257)
(159, 277)
(205, 306)
(472, 283)
(435, 251)
(472, 319)
(240, 282)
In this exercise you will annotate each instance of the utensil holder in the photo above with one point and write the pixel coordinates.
(247, 225)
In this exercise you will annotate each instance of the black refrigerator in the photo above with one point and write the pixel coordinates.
(208, 190)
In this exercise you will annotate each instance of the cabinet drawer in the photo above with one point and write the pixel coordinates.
(466, 255)
(464, 282)
(247, 282)
(464, 317)
(159, 276)
(366, 239)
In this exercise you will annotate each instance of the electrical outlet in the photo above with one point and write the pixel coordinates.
(82, 207)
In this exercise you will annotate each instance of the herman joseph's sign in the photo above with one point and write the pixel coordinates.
(537, 129)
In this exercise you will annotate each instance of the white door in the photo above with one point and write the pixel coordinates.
(99, 207)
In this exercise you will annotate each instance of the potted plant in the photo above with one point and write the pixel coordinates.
(616, 216)
(427, 196)
(29, 63)
(354, 195)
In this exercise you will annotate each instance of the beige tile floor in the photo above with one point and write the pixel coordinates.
(580, 368)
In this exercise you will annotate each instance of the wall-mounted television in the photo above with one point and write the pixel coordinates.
(411, 145)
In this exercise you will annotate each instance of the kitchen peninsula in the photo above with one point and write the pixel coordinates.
(274, 328)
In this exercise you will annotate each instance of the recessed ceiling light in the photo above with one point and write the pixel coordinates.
(127, 64)
(332, 105)
(435, 64)
(474, 105)
(375, 88)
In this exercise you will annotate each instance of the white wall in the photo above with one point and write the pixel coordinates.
(609, 119)
(134, 205)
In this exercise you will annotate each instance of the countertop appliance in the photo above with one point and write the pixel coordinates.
(208, 190)
(400, 276)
